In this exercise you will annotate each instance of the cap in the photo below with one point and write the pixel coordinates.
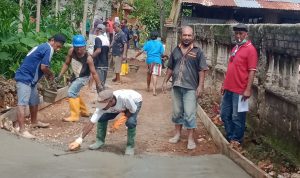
(101, 26)
(59, 38)
(105, 94)
(240, 27)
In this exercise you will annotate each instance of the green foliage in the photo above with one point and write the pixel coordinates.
(14, 46)
(148, 12)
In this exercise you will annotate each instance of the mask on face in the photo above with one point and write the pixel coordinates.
(242, 42)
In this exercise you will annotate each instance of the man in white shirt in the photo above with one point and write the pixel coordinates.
(127, 101)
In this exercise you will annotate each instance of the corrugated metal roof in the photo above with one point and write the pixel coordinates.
(225, 3)
(247, 3)
(265, 4)
(279, 5)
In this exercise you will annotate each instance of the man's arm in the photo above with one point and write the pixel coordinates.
(45, 69)
(90, 62)
(67, 63)
(125, 52)
(200, 87)
(98, 45)
(139, 53)
(247, 92)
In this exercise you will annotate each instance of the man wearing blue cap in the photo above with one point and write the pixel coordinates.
(82, 66)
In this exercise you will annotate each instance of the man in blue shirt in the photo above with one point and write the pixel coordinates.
(127, 32)
(119, 48)
(155, 51)
(35, 65)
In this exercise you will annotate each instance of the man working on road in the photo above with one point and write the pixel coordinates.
(127, 33)
(100, 55)
(127, 101)
(237, 85)
(35, 65)
(187, 66)
(82, 65)
(119, 48)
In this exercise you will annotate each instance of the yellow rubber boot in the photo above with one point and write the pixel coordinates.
(84, 112)
(74, 109)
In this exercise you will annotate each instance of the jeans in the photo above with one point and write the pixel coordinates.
(131, 121)
(76, 85)
(234, 121)
(102, 73)
(184, 107)
(27, 94)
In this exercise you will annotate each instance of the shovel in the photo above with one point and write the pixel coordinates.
(68, 152)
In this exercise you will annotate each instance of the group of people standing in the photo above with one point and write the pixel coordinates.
(187, 67)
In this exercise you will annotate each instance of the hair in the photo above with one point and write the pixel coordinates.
(154, 35)
(117, 24)
(125, 20)
(58, 38)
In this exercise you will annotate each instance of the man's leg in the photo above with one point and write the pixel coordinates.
(226, 114)
(154, 84)
(238, 120)
(74, 100)
(21, 117)
(190, 108)
(177, 113)
(117, 68)
(101, 130)
(23, 93)
(131, 131)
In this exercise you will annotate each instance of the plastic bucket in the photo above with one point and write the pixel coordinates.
(49, 96)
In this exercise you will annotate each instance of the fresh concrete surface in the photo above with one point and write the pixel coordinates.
(28, 159)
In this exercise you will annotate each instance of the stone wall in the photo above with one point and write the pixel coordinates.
(275, 104)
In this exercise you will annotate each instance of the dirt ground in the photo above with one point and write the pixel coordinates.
(154, 122)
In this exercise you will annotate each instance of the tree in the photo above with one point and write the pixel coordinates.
(152, 13)
(162, 15)
(38, 15)
(85, 11)
(21, 16)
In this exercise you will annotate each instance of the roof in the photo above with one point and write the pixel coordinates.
(263, 4)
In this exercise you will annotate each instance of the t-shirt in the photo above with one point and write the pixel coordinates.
(154, 50)
(186, 68)
(126, 99)
(102, 42)
(110, 26)
(127, 33)
(241, 61)
(30, 70)
(118, 44)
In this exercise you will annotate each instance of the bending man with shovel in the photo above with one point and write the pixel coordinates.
(127, 101)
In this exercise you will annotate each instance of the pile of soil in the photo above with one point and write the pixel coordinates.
(8, 93)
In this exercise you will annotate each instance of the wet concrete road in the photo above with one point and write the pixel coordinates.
(28, 159)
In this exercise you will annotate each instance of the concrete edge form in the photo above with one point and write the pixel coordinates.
(223, 144)
(12, 113)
